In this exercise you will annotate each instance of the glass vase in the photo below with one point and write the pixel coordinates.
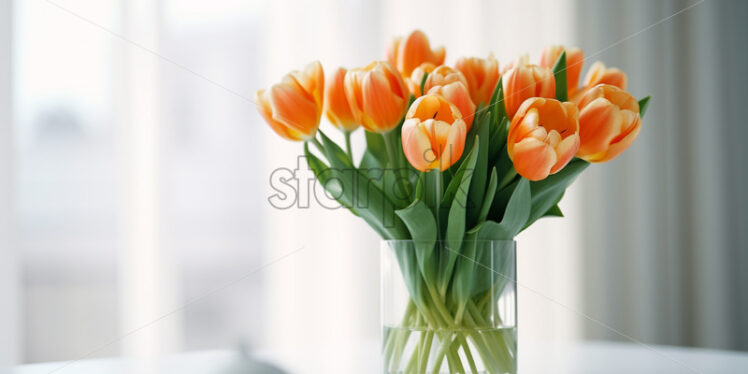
(449, 307)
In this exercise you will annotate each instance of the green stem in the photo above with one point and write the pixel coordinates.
(508, 178)
(435, 197)
(468, 355)
(395, 335)
(390, 143)
(416, 352)
(423, 360)
(348, 143)
(440, 308)
(318, 145)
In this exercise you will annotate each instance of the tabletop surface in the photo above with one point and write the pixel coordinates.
(583, 357)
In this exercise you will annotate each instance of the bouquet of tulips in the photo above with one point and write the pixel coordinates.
(454, 155)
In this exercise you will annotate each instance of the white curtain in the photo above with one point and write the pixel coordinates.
(9, 269)
(665, 253)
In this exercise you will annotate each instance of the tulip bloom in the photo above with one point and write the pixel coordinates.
(442, 76)
(293, 107)
(377, 96)
(543, 137)
(609, 122)
(457, 94)
(574, 62)
(482, 75)
(599, 74)
(336, 105)
(406, 54)
(416, 77)
(526, 81)
(433, 133)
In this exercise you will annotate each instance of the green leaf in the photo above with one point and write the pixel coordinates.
(469, 141)
(515, 216)
(547, 192)
(369, 161)
(336, 155)
(408, 263)
(480, 174)
(498, 140)
(423, 230)
(559, 73)
(353, 189)
(488, 199)
(432, 189)
(454, 185)
(375, 145)
(555, 211)
(464, 275)
(422, 226)
(371, 167)
(324, 175)
(456, 221)
(643, 104)
(494, 266)
(497, 105)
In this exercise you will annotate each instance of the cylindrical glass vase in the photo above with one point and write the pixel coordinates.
(449, 307)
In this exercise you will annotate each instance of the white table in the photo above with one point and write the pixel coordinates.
(576, 358)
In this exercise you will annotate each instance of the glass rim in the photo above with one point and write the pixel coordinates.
(503, 241)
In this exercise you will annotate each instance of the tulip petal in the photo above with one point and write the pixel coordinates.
(417, 145)
(454, 145)
(627, 137)
(294, 110)
(533, 159)
(263, 106)
(565, 151)
(312, 78)
(618, 148)
(384, 108)
(599, 123)
(599, 74)
(336, 106)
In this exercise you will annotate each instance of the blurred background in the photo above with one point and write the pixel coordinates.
(134, 177)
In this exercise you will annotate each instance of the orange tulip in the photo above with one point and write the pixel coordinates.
(293, 107)
(433, 133)
(481, 74)
(336, 106)
(406, 54)
(608, 122)
(457, 94)
(416, 77)
(526, 81)
(377, 96)
(574, 62)
(442, 76)
(543, 137)
(599, 74)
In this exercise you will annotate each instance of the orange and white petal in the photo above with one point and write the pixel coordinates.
(380, 104)
(533, 159)
(618, 148)
(294, 110)
(417, 145)
(599, 123)
(454, 145)
(565, 151)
